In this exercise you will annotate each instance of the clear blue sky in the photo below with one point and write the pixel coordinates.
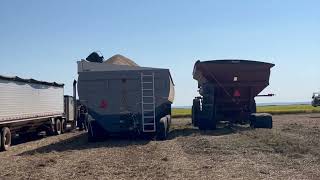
(44, 39)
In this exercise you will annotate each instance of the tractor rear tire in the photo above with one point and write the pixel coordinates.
(5, 139)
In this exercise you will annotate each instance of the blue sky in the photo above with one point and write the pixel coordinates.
(44, 39)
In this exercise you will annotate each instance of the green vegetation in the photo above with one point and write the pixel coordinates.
(283, 109)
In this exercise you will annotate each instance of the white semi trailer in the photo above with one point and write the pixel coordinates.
(28, 105)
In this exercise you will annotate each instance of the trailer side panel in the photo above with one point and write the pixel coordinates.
(22, 100)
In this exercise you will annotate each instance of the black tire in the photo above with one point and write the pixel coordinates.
(63, 126)
(207, 120)
(261, 121)
(95, 132)
(50, 131)
(253, 107)
(58, 127)
(195, 112)
(162, 133)
(202, 125)
(5, 139)
(91, 132)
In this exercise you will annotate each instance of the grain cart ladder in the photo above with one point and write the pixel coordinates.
(148, 103)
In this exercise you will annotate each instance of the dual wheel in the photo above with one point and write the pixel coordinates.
(60, 126)
(205, 119)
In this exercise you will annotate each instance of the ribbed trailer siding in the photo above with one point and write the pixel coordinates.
(20, 99)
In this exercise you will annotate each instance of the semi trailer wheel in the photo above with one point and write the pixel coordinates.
(63, 126)
(58, 127)
(5, 139)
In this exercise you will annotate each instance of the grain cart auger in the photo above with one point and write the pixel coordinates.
(227, 90)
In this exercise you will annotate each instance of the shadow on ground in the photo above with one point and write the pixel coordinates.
(80, 142)
(222, 129)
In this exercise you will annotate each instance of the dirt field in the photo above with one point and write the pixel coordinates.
(291, 150)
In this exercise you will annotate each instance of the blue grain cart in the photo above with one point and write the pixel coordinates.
(122, 97)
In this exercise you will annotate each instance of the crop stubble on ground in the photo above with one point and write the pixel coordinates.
(291, 150)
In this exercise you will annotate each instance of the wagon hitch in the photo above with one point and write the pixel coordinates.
(265, 95)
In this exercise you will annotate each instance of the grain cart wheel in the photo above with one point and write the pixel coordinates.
(207, 120)
(195, 112)
(262, 120)
(162, 130)
(202, 125)
(253, 107)
(5, 139)
(95, 132)
(63, 126)
(58, 127)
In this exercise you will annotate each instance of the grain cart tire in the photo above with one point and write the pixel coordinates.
(207, 120)
(195, 112)
(263, 120)
(162, 130)
(202, 125)
(92, 132)
(58, 127)
(5, 139)
(95, 132)
(63, 126)
(253, 107)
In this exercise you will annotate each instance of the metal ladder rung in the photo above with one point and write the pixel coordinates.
(149, 113)
(148, 110)
(150, 130)
(148, 116)
(148, 124)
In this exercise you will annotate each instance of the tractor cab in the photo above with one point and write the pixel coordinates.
(316, 99)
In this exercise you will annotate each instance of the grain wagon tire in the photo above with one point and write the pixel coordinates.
(91, 135)
(213, 123)
(261, 121)
(95, 132)
(253, 107)
(58, 127)
(5, 139)
(195, 112)
(162, 133)
(63, 126)
(202, 124)
(252, 122)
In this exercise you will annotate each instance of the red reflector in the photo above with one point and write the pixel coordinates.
(236, 93)
(103, 104)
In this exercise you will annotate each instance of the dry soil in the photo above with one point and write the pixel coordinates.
(291, 150)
